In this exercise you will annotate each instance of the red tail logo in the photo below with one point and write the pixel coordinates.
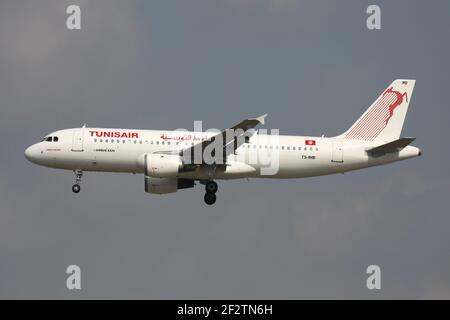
(398, 101)
(378, 116)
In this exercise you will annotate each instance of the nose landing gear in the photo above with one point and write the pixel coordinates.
(210, 195)
(76, 187)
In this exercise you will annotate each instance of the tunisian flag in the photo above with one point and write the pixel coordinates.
(310, 142)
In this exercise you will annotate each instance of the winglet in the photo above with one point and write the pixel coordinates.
(261, 119)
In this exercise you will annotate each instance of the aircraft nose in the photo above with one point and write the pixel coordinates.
(31, 153)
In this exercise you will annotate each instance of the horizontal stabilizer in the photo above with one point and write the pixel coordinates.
(393, 146)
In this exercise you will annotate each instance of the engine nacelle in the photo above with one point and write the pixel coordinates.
(162, 165)
(166, 185)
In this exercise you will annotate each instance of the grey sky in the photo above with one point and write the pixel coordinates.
(312, 65)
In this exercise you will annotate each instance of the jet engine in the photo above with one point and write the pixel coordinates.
(161, 171)
(159, 165)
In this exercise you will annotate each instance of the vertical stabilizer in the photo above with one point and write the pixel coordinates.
(385, 117)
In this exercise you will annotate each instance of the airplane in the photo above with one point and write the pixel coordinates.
(166, 158)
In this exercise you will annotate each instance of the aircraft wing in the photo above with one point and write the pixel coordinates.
(231, 138)
(393, 146)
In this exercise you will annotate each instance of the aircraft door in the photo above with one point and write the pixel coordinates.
(77, 140)
(338, 152)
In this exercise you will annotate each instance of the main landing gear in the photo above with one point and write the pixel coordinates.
(76, 187)
(210, 195)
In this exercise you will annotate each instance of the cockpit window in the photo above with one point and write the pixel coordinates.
(50, 139)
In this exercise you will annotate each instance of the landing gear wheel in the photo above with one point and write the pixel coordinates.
(211, 187)
(210, 198)
(76, 188)
(78, 174)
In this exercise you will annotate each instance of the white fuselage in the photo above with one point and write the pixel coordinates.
(264, 156)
